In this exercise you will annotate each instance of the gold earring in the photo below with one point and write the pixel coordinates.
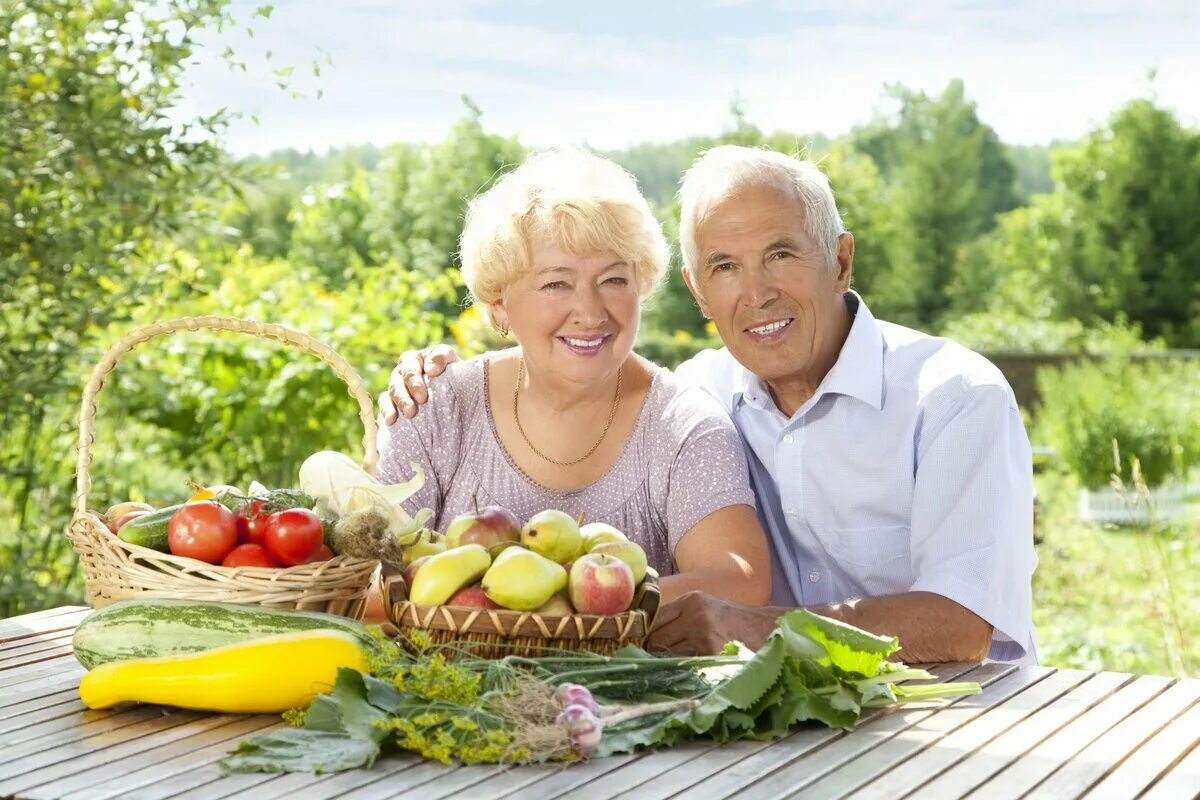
(504, 331)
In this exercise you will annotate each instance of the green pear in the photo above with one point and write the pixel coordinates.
(522, 580)
(597, 533)
(445, 573)
(552, 534)
(557, 606)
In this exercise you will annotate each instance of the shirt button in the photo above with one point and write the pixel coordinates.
(814, 576)
(791, 511)
(788, 439)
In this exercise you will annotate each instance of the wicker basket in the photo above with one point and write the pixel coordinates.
(116, 570)
(494, 633)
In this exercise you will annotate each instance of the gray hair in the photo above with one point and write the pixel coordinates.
(722, 170)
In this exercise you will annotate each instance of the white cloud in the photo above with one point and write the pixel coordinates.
(1037, 70)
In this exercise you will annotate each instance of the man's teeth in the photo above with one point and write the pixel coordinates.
(770, 327)
(586, 343)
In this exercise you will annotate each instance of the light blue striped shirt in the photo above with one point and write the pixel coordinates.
(908, 470)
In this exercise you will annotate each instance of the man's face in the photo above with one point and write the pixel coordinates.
(775, 299)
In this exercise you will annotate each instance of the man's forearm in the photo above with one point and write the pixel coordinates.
(931, 628)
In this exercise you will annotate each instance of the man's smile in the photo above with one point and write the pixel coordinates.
(770, 331)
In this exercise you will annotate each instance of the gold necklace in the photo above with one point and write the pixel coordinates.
(612, 413)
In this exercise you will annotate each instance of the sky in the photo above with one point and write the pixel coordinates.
(610, 73)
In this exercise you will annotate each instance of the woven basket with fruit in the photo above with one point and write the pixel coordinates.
(499, 588)
(262, 546)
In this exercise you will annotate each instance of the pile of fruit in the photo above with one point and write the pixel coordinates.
(222, 525)
(551, 565)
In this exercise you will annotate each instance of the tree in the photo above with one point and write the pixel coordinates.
(948, 176)
(329, 226)
(94, 181)
(452, 172)
(1114, 246)
(1130, 244)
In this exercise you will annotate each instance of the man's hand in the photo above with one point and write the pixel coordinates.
(700, 624)
(406, 386)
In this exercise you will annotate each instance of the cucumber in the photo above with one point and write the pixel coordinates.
(149, 530)
(153, 628)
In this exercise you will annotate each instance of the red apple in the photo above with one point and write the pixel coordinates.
(600, 584)
(410, 571)
(472, 596)
(488, 526)
(629, 552)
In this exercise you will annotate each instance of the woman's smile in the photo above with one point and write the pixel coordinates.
(586, 346)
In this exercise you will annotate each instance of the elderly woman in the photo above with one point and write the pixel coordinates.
(560, 253)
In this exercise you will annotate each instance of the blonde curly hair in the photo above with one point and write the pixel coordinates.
(572, 199)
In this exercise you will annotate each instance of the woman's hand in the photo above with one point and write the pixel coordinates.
(406, 386)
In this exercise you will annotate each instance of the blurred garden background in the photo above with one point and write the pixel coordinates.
(1073, 264)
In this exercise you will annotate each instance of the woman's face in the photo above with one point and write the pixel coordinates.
(575, 317)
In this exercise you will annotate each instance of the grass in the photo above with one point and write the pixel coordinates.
(1123, 599)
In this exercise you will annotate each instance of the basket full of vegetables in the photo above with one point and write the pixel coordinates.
(272, 547)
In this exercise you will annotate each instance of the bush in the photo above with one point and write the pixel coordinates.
(671, 350)
(1150, 409)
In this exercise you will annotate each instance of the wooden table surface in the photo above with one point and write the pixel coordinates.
(1033, 732)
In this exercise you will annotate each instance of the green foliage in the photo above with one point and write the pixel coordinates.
(1033, 165)
(948, 176)
(452, 172)
(1142, 616)
(329, 230)
(1130, 243)
(1008, 330)
(1150, 409)
(234, 409)
(484, 710)
(93, 179)
(672, 350)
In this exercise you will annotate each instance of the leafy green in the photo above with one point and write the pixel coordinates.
(848, 648)
(811, 669)
(293, 750)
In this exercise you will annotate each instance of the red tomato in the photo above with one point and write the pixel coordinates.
(204, 530)
(322, 553)
(249, 555)
(294, 535)
(252, 523)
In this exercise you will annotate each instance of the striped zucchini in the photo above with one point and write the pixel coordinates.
(154, 628)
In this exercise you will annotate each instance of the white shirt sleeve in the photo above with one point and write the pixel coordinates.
(972, 515)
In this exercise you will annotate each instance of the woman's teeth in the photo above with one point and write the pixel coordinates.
(584, 344)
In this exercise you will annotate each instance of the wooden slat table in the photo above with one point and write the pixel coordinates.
(1033, 732)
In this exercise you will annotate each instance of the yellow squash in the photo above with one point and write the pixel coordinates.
(267, 675)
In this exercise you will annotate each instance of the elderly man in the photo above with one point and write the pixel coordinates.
(892, 469)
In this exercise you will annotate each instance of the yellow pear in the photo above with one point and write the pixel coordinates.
(445, 573)
(522, 580)
(597, 533)
(422, 543)
(552, 534)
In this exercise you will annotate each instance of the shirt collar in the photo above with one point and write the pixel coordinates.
(858, 371)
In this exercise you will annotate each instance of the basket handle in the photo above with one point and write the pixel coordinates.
(263, 330)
